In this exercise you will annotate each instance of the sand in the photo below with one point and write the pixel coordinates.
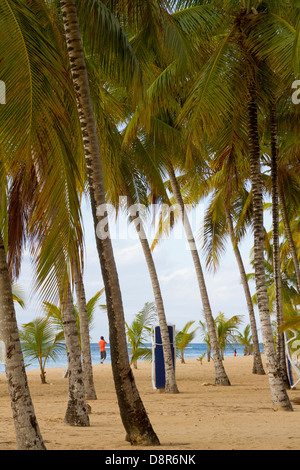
(201, 417)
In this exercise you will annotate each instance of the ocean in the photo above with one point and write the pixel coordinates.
(193, 351)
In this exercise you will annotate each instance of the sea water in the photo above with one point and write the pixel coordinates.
(193, 351)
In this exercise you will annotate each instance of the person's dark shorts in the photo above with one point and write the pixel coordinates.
(103, 354)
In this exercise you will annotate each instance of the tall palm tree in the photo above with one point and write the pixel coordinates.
(26, 126)
(28, 434)
(89, 387)
(77, 412)
(276, 242)
(235, 54)
(160, 111)
(229, 202)
(171, 386)
(221, 377)
(279, 395)
(134, 416)
(130, 172)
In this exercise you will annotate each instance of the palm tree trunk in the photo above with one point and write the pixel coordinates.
(257, 361)
(171, 386)
(135, 420)
(220, 374)
(90, 392)
(279, 395)
(289, 235)
(77, 412)
(28, 434)
(276, 246)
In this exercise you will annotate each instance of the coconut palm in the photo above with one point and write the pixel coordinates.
(230, 202)
(85, 311)
(135, 419)
(227, 329)
(27, 128)
(130, 171)
(161, 113)
(138, 333)
(205, 338)
(184, 337)
(245, 339)
(41, 342)
(55, 316)
(234, 63)
(47, 158)
(27, 429)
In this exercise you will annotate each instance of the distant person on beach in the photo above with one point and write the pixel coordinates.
(235, 353)
(102, 344)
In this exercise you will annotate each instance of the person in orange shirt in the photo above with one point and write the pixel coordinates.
(102, 344)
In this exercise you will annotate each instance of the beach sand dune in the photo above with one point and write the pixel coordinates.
(201, 417)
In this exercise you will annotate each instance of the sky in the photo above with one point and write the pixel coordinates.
(175, 269)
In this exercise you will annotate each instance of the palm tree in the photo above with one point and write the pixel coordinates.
(138, 333)
(236, 54)
(26, 126)
(184, 338)
(226, 330)
(41, 342)
(230, 201)
(28, 434)
(77, 412)
(220, 374)
(280, 397)
(134, 416)
(205, 337)
(245, 339)
(89, 387)
(55, 316)
(171, 386)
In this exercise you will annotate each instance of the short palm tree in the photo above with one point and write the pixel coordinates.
(40, 341)
(138, 333)
(55, 317)
(184, 338)
(205, 338)
(245, 339)
(227, 329)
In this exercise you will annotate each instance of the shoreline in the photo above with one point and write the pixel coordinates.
(201, 417)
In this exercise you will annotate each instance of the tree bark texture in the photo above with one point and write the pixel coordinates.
(171, 386)
(279, 395)
(28, 435)
(88, 378)
(221, 377)
(77, 412)
(276, 246)
(258, 367)
(134, 417)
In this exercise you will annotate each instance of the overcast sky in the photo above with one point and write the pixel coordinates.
(175, 270)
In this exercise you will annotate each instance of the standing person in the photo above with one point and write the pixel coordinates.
(102, 344)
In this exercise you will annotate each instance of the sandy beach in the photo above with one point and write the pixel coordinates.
(201, 417)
